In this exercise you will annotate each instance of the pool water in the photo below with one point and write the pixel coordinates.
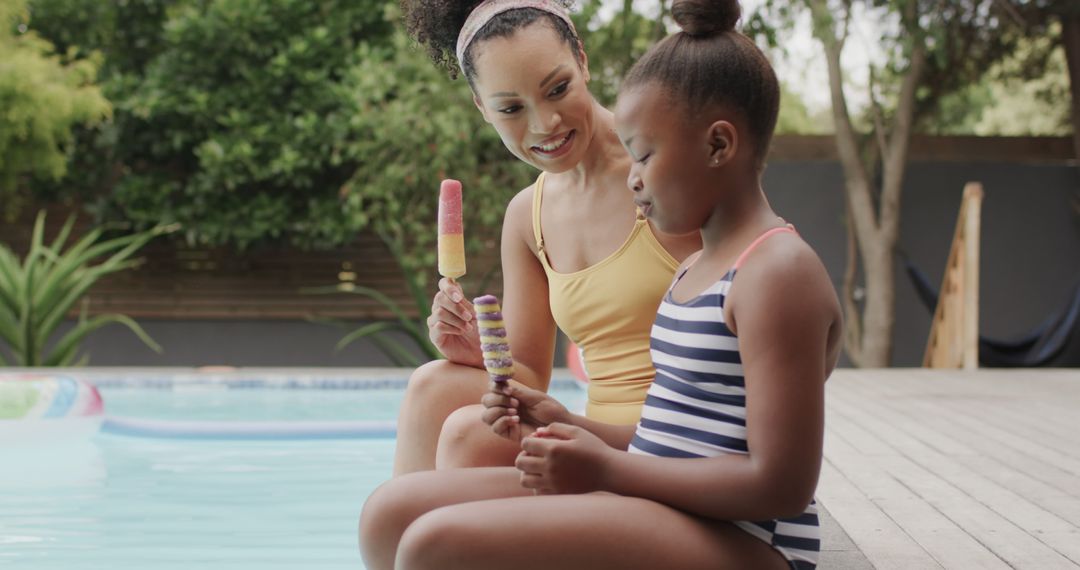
(209, 403)
(123, 503)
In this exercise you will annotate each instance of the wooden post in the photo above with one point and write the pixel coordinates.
(954, 333)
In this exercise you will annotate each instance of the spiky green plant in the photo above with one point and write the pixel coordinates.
(37, 293)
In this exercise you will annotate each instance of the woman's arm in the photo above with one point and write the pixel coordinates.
(526, 310)
(787, 312)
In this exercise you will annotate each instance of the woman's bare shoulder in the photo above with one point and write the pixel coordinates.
(517, 222)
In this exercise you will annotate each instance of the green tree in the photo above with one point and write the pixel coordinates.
(245, 119)
(934, 48)
(614, 44)
(423, 128)
(43, 96)
(232, 116)
(796, 118)
(1012, 99)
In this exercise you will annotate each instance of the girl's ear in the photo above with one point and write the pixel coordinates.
(723, 143)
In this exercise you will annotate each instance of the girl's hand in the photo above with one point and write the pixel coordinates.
(563, 459)
(514, 411)
(452, 325)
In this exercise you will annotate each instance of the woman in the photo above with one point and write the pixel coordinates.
(575, 251)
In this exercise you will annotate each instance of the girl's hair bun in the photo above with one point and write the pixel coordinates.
(706, 17)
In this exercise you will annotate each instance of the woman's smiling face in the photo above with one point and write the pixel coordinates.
(532, 89)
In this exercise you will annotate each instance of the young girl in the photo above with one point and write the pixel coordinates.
(571, 242)
(720, 471)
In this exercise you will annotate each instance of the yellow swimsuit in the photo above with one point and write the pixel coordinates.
(607, 310)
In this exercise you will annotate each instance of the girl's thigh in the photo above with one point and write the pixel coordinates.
(396, 504)
(577, 531)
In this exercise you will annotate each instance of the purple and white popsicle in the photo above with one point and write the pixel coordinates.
(493, 342)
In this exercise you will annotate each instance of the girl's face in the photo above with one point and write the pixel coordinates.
(672, 175)
(532, 89)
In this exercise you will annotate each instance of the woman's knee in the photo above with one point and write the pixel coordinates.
(466, 441)
(462, 426)
(443, 383)
(425, 378)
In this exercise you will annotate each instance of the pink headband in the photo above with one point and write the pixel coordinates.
(483, 14)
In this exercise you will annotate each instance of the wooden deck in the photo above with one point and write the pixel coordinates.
(942, 469)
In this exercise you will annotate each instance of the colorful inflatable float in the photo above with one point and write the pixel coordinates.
(35, 407)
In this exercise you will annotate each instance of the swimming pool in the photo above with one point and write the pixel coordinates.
(118, 502)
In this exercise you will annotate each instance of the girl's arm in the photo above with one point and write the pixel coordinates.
(508, 408)
(787, 320)
(616, 436)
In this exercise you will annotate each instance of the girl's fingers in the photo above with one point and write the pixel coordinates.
(492, 399)
(537, 446)
(531, 481)
(505, 426)
(492, 414)
(529, 463)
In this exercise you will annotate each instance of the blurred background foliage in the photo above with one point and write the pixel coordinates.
(303, 122)
(44, 96)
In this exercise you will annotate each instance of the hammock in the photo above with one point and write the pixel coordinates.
(1037, 347)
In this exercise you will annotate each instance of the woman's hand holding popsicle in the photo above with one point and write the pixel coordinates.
(452, 325)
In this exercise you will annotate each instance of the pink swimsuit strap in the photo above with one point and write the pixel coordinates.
(742, 257)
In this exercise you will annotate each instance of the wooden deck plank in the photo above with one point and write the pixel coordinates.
(955, 470)
(949, 544)
(1032, 425)
(883, 542)
(1008, 524)
(1005, 474)
(1044, 464)
(1045, 440)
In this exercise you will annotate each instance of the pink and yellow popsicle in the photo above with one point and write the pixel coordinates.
(451, 236)
(493, 341)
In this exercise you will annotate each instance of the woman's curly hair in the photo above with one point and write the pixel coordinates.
(436, 24)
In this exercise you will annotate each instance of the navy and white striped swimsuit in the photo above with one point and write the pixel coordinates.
(696, 406)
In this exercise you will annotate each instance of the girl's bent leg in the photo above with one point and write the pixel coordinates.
(466, 441)
(434, 391)
(398, 502)
(577, 531)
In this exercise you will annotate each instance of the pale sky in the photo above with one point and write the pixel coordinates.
(802, 67)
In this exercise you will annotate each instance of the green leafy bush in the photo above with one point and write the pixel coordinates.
(43, 96)
(422, 128)
(245, 119)
(37, 293)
